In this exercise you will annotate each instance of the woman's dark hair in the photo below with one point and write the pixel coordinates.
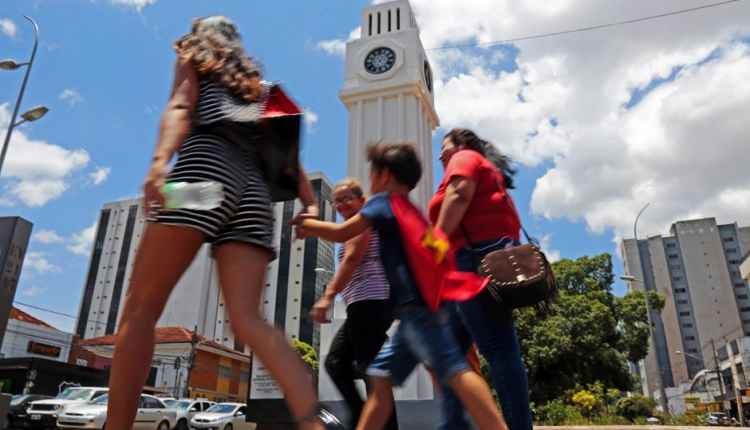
(215, 49)
(469, 140)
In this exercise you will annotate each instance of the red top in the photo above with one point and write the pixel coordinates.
(491, 213)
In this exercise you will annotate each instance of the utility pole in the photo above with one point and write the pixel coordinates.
(736, 385)
(191, 363)
(717, 369)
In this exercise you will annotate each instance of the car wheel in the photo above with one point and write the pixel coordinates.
(228, 427)
(182, 425)
(164, 425)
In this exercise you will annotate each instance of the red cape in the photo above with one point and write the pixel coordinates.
(430, 260)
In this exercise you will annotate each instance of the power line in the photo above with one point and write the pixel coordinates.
(583, 29)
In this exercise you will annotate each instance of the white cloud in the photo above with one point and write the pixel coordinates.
(8, 27)
(80, 243)
(100, 175)
(71, 96)
(47, 237)
(33, 291)
(135, 4)
(37, 171)
(545, 243)
(565, 102)
(338, 46)
(37, 262)
(311, 118)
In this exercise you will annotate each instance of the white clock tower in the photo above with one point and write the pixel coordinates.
(388, 91)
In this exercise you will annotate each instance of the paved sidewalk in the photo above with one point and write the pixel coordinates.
(636, 427)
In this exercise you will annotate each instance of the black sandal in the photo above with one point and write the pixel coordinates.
(323, 415)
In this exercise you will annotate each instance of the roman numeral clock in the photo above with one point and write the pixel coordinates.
(388, 90)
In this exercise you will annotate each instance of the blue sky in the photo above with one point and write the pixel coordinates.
(104, 70)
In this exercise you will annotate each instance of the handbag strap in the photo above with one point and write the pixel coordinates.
(529, 239)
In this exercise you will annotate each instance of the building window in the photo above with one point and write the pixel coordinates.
(689, 337)
(729, 239)
(674, 256)
(671, 245)
(693, 351)
(745, 309)
(687, 325)
(680, 290)
(225, 371)
(682, 302)
(685, 314)
(677, 278)
(742, 296)
(734, 261)
(731, 250)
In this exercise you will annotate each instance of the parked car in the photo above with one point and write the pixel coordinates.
(222, 416)
(152, 414)
(186, 410)
(17, 416)
(653, 421)
(717, 419)
(42, 414)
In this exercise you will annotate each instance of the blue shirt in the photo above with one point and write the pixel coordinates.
(378, 212)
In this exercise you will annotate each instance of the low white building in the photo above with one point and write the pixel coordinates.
(745, 268)
(27, 336)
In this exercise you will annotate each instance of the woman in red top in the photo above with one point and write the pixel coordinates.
(473, 207)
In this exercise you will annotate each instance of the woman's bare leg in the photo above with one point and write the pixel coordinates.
(379, 405)
(163, 255)
(242, 270)
(477, 399)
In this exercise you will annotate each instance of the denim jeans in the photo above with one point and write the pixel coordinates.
(492, 329)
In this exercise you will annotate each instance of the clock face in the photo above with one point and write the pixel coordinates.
(428, 75)
(380, 60)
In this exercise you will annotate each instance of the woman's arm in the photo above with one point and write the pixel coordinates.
(331, 231)
(306, 195)
(176, 123)
(458, 197)
(354, 253)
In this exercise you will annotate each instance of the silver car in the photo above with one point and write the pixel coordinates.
(222, 416)
(152, 414)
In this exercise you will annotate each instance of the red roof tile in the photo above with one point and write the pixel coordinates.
(17, 314)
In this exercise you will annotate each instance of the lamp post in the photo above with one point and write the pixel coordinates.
(629, 278)
(32, 114)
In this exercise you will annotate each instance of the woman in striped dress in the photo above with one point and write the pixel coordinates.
(361, 281)
(209, 122)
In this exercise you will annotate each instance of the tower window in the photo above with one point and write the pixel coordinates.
(378, 22)
(389, 20)
(398, 18)
(369, 28)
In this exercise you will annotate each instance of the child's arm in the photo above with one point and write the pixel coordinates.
(333, 232)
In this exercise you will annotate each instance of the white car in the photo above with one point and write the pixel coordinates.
(222, 416)
(186, 410)
(152, 415)
(44, 413)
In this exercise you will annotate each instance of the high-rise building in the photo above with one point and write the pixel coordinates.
(697, 270)
(387, 91)
(292, 284)
(14, 240)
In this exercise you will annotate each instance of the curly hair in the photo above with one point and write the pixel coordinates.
(214, 47)
(469, 140)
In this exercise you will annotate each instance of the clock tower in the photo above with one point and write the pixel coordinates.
(388, 91)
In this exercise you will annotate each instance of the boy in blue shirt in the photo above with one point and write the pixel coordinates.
(423, 336)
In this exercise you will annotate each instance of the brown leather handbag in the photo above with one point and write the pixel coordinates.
(520, 276)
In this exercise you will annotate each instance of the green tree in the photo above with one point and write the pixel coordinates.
(589, 336)
(308, 354)
(635, 406)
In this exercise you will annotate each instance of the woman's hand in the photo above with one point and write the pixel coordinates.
(153, 196)
(319, 312)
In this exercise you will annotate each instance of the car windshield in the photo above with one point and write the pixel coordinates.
(101, 400)
(222, 409)
(170, 403)
(17, 399)
(75, 394)
(174, 404)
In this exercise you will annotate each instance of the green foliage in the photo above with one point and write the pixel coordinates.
(557, 413)
(308, 354)
(589, 335)
(634, 407)
(586, 402)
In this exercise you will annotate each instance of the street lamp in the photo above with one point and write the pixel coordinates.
(31, 115)
(630, 278)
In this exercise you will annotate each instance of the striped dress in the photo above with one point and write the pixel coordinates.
(368, 281)
(222, 148)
